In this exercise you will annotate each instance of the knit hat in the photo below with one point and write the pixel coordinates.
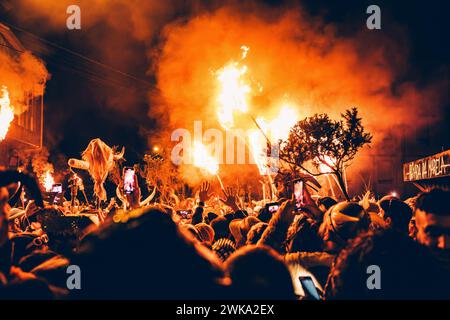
(192, 231)
(205, 232)
(247, 224)
(221, 227)
(224, 248)
(256, 232)
(344, 221)
(211, 216)
(235, 229)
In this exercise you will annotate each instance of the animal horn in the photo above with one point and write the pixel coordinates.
(118, 156)
(149, 198)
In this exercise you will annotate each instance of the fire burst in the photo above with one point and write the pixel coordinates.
(48, 181)
(234, 91)
(276, 129)
(6, 113)
(279, 127)
(203, 160)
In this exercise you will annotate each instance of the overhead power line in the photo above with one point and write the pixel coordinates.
(79, 55)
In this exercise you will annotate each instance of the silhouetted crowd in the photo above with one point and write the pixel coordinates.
(360, 249)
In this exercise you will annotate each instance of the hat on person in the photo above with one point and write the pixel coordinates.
(247, 224)
(392, 205)
(224, 248)
(399, 212)
(205, 232)
(221, 227)
(235, 229)
(211, 216)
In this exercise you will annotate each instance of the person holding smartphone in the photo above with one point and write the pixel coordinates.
(131, 188)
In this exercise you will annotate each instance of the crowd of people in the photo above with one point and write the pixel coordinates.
(155, 251)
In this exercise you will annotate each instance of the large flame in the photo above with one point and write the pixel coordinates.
(276, 129)
(279, 127)
(234, 91)
(6, 113)
(234, 96)
(203, 160)
(48, 181)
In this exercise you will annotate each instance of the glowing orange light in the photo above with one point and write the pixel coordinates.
(6, 113)
(234, 91)
(48, 181)
(276, 129)
(203, 160)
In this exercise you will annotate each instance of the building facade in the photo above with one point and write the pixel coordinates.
(26, 130)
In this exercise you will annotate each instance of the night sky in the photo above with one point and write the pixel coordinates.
(79, 90)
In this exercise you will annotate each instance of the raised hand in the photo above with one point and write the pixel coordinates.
(230, 198)
(310, 206)
(203, 193)
(286, 211)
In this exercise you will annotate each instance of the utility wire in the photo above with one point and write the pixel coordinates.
(79, 55)
(86, 73)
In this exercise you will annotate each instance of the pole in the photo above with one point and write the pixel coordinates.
(331, 186)
(220, 181)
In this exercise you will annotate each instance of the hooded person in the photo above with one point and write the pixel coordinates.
(205, 233)
(221, 227)
(341, 223)
(256, 232)
(259, 272)
(395, 213)
(239, 229)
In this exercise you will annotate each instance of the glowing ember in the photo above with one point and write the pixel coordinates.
(6, 113)
(48, 181)
(234, 91)
(203, 160)
(244, 51)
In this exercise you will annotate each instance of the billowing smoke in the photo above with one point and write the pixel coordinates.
(297, 59)
(22, 75)
(293, 57)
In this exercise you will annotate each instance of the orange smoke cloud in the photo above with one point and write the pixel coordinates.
(296, 59)
(139, 18)
(115, 32)
(293, 58)
(22, 75)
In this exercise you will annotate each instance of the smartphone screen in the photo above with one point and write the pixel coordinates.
(184, 213)
(128, 180)
(298, 193)
(272, 207)
(57, 188)
(309, 288)
(57, 193)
